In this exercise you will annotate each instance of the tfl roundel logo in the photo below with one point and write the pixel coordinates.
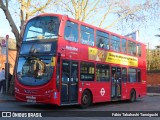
(102, 91)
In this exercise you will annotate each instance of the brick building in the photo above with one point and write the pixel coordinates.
(153, 58)
(153, 66)
(153, 78)
(11, 55)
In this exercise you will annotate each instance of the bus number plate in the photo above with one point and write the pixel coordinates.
(31, 101)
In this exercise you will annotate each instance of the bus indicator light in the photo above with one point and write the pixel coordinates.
(55, 95)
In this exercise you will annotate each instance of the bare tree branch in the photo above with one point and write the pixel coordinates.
(122, 17)
(74, 6)
(84, 3)
(40, 8)
(6, 4)
(104, 16)
(68, 8)
(10, 19)
(93, 8)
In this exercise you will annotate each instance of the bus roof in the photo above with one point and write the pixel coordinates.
(89, 25)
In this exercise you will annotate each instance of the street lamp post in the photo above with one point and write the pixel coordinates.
(158, 49)
(7, 64)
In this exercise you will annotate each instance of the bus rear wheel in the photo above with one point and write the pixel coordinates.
(133, 96)
(86, 99)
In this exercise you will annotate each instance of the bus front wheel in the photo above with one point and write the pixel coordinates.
(86, 99)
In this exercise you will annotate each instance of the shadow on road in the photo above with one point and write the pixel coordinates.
(49, 107)
(113, 103)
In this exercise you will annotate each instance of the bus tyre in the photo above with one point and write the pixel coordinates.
(133, 96)
(86, 99)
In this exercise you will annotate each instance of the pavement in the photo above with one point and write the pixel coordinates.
(153, 94)
(5, 97)
(11, 98)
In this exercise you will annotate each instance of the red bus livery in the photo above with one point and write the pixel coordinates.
(63, 61)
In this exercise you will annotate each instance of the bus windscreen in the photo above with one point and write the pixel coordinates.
(42, 28)
(35, 70)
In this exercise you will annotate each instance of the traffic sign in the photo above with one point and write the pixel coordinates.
(7, 36)
(3, 43)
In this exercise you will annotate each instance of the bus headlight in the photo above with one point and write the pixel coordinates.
(16, 89)
(49, 91)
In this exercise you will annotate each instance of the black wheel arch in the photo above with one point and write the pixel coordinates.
(90, 93)
(91, 97)
(133, 91)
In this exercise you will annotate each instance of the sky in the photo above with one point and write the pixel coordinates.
(146, 34)
(4, 26)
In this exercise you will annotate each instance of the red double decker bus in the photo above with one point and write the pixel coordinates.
(64, 61)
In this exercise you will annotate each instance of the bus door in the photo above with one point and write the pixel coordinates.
(69, 88)
(116, 83)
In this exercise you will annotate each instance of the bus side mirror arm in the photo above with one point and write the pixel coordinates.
(62, 22)
(59, 54)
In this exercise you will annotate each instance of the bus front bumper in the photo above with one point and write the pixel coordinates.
(47, 98)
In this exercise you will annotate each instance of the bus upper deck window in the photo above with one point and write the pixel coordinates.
(139, 50)
(41, 27)
(102, 40)
(87, 35)
(115, 43)
(71, 31)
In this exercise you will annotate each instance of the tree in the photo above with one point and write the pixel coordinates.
(99, 11)
(27, 9)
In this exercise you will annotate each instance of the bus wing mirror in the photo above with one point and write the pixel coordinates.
(61, 27)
